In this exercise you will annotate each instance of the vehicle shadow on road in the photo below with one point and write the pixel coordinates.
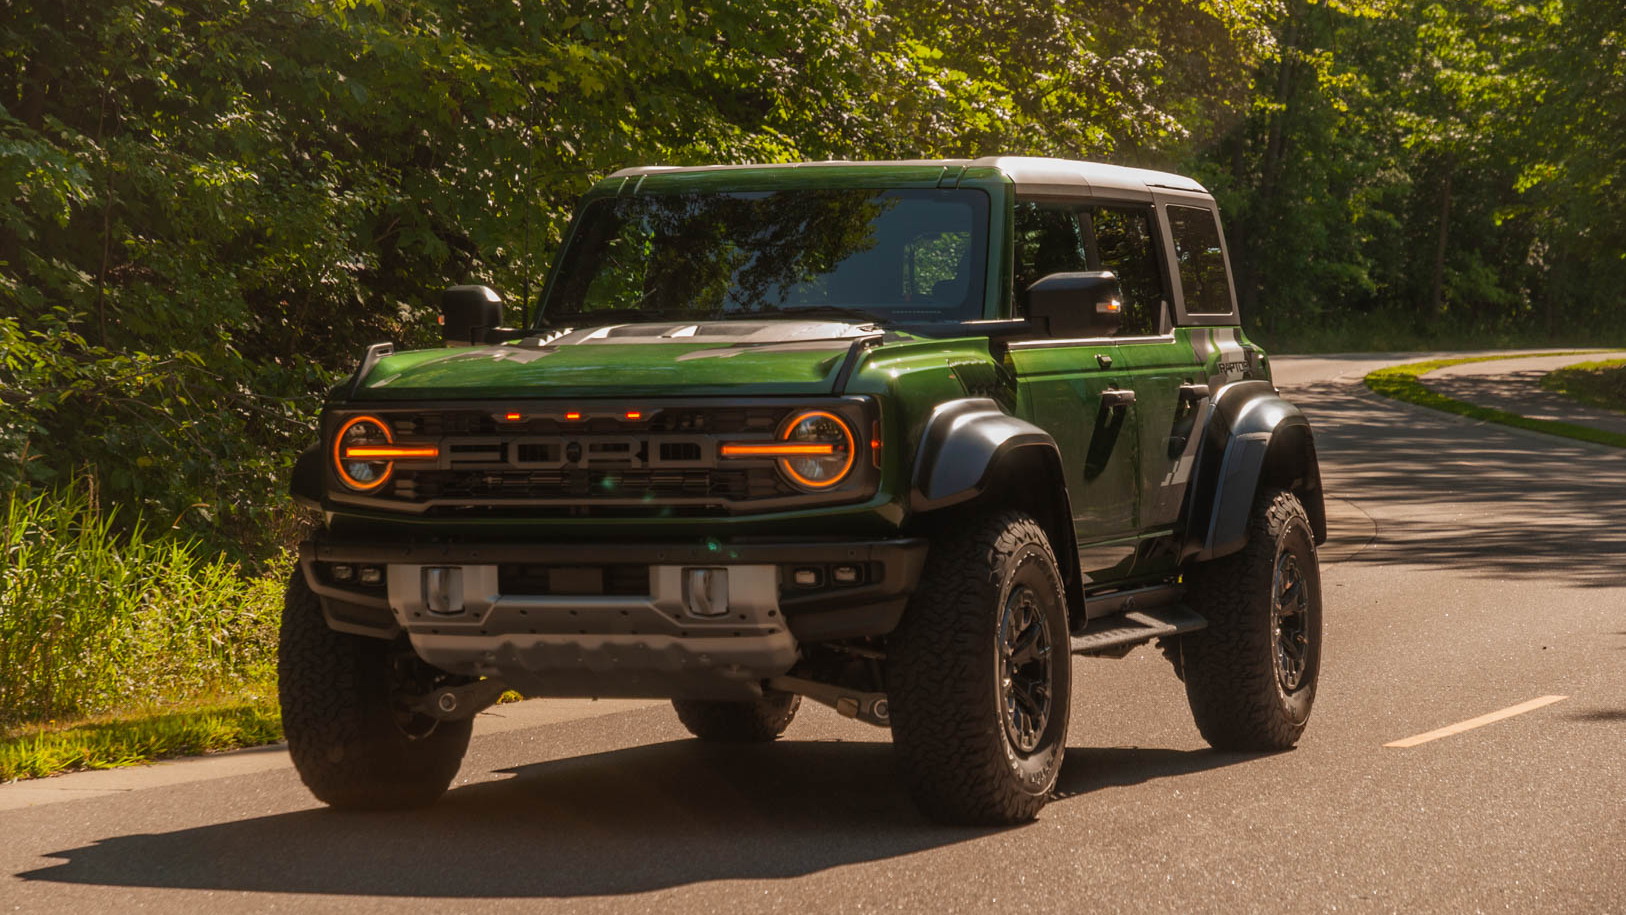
(1446, 493)
(627, 821)
(1090, 769)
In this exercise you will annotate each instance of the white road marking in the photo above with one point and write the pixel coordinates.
(101, 782)
(1481, 721)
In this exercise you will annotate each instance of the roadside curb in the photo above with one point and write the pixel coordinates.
(88, 783)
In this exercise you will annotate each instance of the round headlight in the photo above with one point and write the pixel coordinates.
(828, 467)
(359, 432)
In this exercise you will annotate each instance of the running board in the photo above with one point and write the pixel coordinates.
(1119, 633)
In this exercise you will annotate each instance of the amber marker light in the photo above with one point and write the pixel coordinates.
(513, 417)
(573, 416)
(635, 415)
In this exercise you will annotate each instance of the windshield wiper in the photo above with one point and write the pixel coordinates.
(832, 311)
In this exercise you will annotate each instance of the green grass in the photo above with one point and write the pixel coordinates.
(1597, 384)
(118, 643)
(138, 739)
(1401, 382)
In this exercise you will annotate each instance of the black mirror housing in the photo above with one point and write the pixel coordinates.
(467, 313)
(1077, 305)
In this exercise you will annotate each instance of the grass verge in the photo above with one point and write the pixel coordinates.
(1596, 384)
(121, 644)
(1402, 382)
(136, 740)
(101, 618)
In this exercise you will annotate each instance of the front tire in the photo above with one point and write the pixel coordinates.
(1251, 675)
(353, 742)
(979, 674)
(757, 721)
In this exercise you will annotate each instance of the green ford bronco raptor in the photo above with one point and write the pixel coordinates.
(899, 437)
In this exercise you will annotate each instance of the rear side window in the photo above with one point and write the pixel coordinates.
(1202, 262)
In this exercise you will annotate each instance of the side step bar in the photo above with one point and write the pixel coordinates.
(1117, 634)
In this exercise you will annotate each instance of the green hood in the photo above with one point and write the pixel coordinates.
(642, 360)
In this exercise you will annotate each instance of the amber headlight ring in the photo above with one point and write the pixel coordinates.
(355, 462)
(815, 450)
(831, 450)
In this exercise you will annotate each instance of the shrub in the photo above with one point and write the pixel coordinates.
(97, 617)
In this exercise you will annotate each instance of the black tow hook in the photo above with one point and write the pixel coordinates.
(455, 703)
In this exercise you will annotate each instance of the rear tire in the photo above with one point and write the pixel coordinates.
(757, 721)
(353, 742)
(979, 674)
(1251, 675)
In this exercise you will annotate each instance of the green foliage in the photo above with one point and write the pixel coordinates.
(1401, 331)
(218, 203)
(1428, 159)
(1402, 382)
(95, 620)
(1599, 384)
(129, 741)
(205, 445)
(215, 205)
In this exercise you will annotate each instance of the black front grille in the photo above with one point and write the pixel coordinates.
(601, 460)
(543, 459)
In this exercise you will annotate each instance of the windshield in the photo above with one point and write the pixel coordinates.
(907, 255)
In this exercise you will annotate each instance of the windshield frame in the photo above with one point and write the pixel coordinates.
(985, 250)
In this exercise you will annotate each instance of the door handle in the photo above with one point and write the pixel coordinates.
(1191, 393)
(1113, 398)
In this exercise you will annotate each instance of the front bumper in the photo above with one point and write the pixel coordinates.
(702, 620)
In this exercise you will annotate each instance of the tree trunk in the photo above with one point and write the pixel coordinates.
(1436, 290)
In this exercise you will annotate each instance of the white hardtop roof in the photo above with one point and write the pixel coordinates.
(1029, 173)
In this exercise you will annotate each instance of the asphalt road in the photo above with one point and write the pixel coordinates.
(1473, 568)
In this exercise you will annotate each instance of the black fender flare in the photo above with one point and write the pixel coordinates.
(971, 446)
(1252, 435)
(962, 443)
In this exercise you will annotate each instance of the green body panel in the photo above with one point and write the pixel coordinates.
(1059, 390)
(1156, 370)
(1126, 468)
(607, 370)
(910, 380)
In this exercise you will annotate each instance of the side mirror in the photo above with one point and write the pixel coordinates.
(467, 312)
(1077, 305)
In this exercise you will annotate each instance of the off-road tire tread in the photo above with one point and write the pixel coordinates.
(757, 721)
(1229, 667)
(948, 738)
(336, 714)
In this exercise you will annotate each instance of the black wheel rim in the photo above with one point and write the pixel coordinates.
(1290, 621)
(1024, 668)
